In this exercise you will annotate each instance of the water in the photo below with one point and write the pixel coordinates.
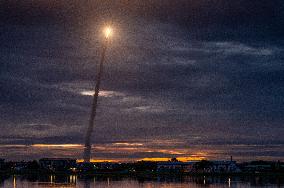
(133, 182)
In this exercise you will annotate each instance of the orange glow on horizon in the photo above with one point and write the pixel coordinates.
(124, 147)
(182, 159)
(127, 144)
(152, 159)
(58, 145)
(99, 160)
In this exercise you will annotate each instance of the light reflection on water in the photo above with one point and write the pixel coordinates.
(133, 182)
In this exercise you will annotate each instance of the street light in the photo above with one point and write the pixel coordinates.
(87, 149)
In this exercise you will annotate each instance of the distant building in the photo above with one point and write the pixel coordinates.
(106, 165)
(2, 163)
(261, 166)
(224, 167)
(57, 164)
(205, 166)
(175, 166)
(257, 168)
(19, 166)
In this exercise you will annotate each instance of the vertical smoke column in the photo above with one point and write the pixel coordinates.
(88, 145)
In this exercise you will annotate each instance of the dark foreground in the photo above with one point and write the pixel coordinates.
(33, 181)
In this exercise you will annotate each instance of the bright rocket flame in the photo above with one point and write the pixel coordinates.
(108, 32)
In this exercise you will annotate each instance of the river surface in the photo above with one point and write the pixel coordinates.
(131, 182)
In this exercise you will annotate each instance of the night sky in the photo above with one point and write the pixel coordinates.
(195, 79)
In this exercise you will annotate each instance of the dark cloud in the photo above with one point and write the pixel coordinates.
(193, 77)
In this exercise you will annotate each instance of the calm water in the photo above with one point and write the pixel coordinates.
(126, 182)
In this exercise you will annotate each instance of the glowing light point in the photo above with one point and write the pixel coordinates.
(108, 32)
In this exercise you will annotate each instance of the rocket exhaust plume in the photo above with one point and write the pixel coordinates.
(88, 145)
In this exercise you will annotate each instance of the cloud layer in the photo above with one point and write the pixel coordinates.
(166, 91)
